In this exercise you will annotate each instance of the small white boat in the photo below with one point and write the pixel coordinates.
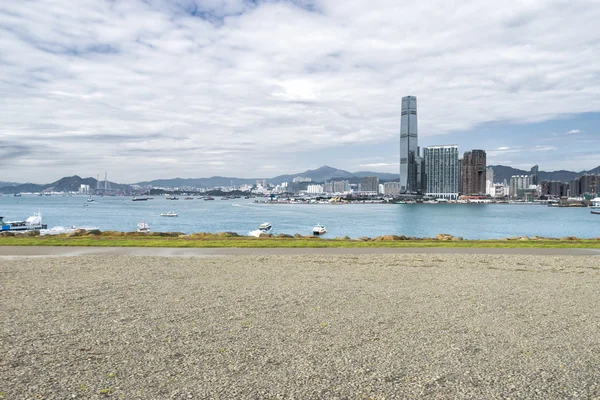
(265, 227)
(595, 203)
(90, 200)
(143, 227)
(169, 214)
(319, 229)
(595, 212)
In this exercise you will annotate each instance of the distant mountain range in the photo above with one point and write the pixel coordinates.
(322, 174)
(2, 184)
(66, 184)
(502, 172)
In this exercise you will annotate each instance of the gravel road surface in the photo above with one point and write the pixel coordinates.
(359, 326)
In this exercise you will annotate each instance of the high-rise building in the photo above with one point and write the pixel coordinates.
(587, 184)
(518, 182)
(533, 175)
(442, 171)
(489, 182)
(409, 150)
(369, 184)
(391, 188)
(472, 172)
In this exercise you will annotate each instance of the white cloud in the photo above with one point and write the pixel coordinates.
(219, 86)
(573, 131)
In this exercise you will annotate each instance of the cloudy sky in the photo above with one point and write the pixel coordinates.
(195, 88)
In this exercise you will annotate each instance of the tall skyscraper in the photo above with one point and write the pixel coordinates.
(409, 151)
(473, 172)
(533, 175)
(442, 171)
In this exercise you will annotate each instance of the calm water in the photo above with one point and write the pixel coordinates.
(475, 221)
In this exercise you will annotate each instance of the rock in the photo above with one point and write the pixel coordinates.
(390, 237)
(262, 235)
(348, 238)
(364, 239)
(401, 237)
(570, 238)
(284, 236)
(524, 238)
(378, 238)
(457, 238)
(227, 234)
(298, 236)
(7, 233)
(443, 236)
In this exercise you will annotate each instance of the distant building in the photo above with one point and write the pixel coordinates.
(587, 184)
(369, 184)
(341, 186)
(293, 187)
(301, 179)
(442, 171)
(533, 175)
(489, 181)
(518, 182)
(391, 188)
(261, 183)
(409, 150)
(473, 174)
(554, 188)
(314, 189)
(84, 189)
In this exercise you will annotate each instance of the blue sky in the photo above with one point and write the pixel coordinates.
(189, 88)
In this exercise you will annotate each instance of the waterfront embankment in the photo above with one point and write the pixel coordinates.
(302, 326)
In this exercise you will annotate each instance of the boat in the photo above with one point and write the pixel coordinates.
(59, 230)
(595, 203)
(32, 223)
(209, 198)
(90, 200)
(319, 229)
(189, 198)
(595, 212)
(17, 195)
(140, 199)
(169, 214)
(143, 227)
(265, 227)
(172, 198)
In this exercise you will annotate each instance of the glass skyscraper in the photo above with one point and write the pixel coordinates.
(409, 150)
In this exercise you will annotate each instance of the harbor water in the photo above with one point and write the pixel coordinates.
(470, 221)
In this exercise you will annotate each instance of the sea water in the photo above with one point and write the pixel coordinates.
(470, 221)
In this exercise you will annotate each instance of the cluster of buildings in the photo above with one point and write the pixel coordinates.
(439, 171)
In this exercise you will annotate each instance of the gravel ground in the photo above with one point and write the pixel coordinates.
(300, 327)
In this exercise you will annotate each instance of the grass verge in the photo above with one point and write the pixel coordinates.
(245, 242)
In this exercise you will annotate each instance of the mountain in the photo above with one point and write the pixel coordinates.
(3, 184)
(502, 172)
(66, 184)
(321, 174)
(211, 182)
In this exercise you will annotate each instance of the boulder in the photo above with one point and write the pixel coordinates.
(364, 239)
(284, 236)
(569, 238)
(524, 238)
(263, 235)
(443, 236)
(297, 236)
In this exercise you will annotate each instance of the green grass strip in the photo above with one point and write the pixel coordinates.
(245, 242)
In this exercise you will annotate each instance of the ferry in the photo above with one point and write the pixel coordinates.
(595, 203)
(319, 230)
(32, 223)
(140, 199)
(172, 198)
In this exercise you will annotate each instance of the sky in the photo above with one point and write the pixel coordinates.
(187, 88)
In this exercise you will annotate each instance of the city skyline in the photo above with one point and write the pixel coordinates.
(160, 89)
